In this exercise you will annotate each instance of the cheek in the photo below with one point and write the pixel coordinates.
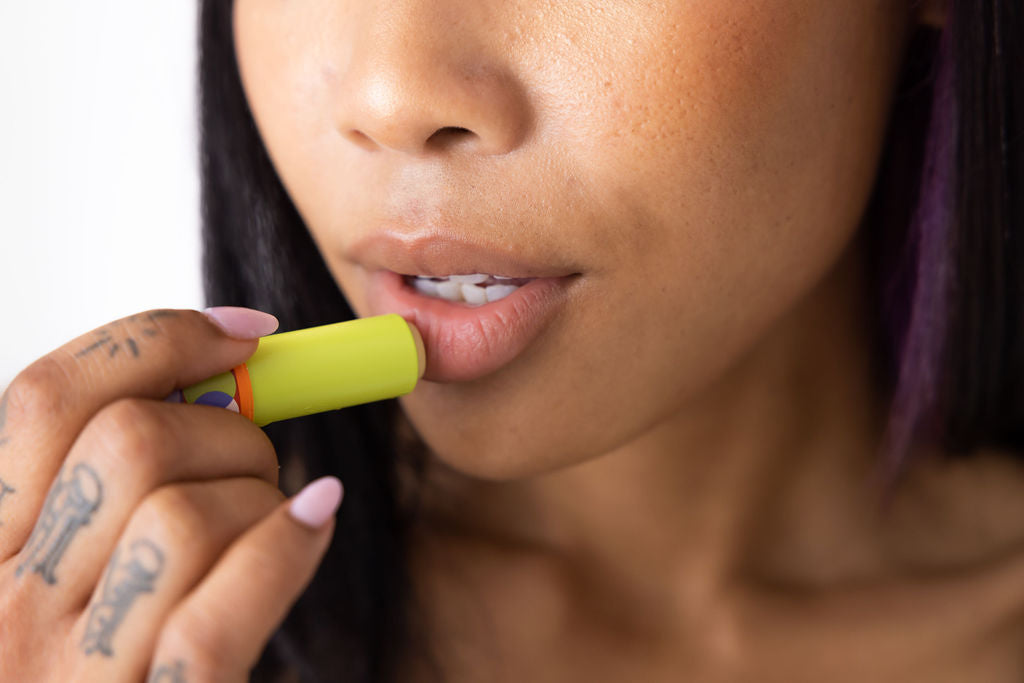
(743, 128)
(737, 152)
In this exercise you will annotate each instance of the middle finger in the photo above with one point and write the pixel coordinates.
(130, 448)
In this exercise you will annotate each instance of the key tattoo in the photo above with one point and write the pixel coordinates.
(173, 673)
(70, 504)
(127, 579)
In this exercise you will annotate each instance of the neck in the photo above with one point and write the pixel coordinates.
(766, 475)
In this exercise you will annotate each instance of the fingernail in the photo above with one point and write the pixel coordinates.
(242, 323)
(318, 502)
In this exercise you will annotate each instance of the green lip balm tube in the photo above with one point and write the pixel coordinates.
(317, 369)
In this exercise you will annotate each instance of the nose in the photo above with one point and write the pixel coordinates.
(418, 82)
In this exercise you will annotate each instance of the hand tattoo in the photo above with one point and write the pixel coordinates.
(124, 583)
(113, 344)
(69, 506)
(169, 673)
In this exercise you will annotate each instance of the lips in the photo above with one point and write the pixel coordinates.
(466, 342)
(441, 253)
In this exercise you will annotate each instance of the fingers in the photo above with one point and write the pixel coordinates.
(131, 448)
(49, 403)
(146, 355)
(219, 630)
(174, 538)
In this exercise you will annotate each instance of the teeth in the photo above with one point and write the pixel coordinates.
(474, 295)
(452, 291)
(476, 289)
(473, 279)
(424, 286)
(498, 292)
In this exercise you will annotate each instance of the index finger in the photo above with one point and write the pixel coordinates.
(146, 355)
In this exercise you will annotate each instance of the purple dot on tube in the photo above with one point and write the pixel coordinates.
(215, 398)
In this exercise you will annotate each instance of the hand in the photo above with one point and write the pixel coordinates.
(142, 540)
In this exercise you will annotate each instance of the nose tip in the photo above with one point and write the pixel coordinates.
(425, 104)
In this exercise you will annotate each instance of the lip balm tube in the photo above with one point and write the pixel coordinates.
(317, 369)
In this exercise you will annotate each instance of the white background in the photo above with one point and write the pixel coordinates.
(99, 193)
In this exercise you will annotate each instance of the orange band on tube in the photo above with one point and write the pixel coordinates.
(244, 395)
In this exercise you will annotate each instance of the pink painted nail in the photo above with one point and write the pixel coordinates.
(317, 502)
(242, 323)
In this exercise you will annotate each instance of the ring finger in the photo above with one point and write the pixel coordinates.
(173, 539)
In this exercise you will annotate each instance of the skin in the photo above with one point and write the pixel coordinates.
(692, 494)
(142, 539)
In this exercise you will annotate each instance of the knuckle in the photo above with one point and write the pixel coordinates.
(38, 392)
(171, 514)
(129, 427)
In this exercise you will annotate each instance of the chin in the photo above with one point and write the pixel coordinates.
(512, 442)
(506, 453)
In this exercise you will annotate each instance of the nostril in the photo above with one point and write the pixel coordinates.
(361, 139)
(448, 135)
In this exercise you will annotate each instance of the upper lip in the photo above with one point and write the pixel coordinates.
(437, 253)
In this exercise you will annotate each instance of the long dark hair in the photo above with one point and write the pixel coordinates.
(946, 229)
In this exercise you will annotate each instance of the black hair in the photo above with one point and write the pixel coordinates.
(950, 308)
(947, 228)
(258, 253)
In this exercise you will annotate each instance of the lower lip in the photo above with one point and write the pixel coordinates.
(466, 342)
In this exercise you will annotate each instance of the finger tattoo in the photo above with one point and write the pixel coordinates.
(113, 345)
(69, 506)
(4, 490)
(169, 673)
(127, 578)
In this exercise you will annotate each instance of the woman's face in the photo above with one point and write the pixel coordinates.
(677, 173)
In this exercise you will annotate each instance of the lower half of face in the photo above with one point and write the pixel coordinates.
(696, 167)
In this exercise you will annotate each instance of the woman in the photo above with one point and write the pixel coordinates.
(765, 283)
